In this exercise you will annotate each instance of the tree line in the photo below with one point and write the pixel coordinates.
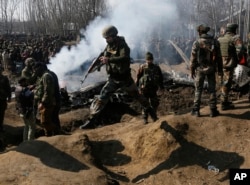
(62, 16)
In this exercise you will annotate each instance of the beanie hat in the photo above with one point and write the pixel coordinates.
(149, 56)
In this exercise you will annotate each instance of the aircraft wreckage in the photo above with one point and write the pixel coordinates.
(172, 79)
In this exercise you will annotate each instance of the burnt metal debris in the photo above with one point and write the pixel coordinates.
(85, 95)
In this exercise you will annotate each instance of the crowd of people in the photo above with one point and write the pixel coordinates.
(38, 91)
(16, 49)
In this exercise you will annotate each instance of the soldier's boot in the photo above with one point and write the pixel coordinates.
(90, 122)
(195, 112)
(152, 114)
(145, 118)
(227, 106)
(214, 112)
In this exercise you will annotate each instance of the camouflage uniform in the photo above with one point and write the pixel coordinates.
(45, 96)
(231, 49)
(204, 64)
(117, 60)
(149, 80)
(5, 95)
(27, 71)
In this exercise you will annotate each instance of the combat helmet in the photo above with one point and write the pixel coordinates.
(202, 28)
(149, 56)
(109, 31)
(231, 27)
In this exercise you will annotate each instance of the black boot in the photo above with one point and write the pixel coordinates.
(195, 112)
(227, 106)
(214, 112)
(152, 113)
(145, 118)
(89, 123)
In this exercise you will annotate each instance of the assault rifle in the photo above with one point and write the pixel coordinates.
(95, 65)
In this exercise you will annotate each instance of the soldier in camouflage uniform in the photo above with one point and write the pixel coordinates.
(27, 72)
(5, 96)
(44, 95)
(205, 62)
(149, 80)
(231, 51)
(117, 59)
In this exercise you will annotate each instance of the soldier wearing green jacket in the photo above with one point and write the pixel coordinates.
(45, 97)
(116, 57)
(231, 50)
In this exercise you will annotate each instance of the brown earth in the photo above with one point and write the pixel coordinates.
(177, 149)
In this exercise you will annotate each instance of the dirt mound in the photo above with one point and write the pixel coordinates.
(176, 149)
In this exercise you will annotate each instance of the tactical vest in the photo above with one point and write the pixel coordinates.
(225, 45)
(150, 78)
(228, 51)
(119, 69)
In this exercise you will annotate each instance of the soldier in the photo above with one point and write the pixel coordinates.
(205, 61)
(55, 115)
(45, 97)
(231, 51)
(149, 80)
(27, 72)
(24, 105)
(6, 59)
(5, 96)
(117, 59)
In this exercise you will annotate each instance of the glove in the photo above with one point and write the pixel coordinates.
(193, 73)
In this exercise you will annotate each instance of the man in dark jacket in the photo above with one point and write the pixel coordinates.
(5, 96)
(24, 105)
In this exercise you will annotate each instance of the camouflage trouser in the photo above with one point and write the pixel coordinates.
(226, 85)
(199, 84)
(112, 86)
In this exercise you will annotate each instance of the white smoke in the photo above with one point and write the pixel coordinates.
(134, 19)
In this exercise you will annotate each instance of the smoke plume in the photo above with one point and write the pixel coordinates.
(136, 20)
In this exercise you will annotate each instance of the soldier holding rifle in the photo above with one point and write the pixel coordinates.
(116, 56)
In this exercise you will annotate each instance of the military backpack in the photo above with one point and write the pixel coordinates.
(206, 54)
